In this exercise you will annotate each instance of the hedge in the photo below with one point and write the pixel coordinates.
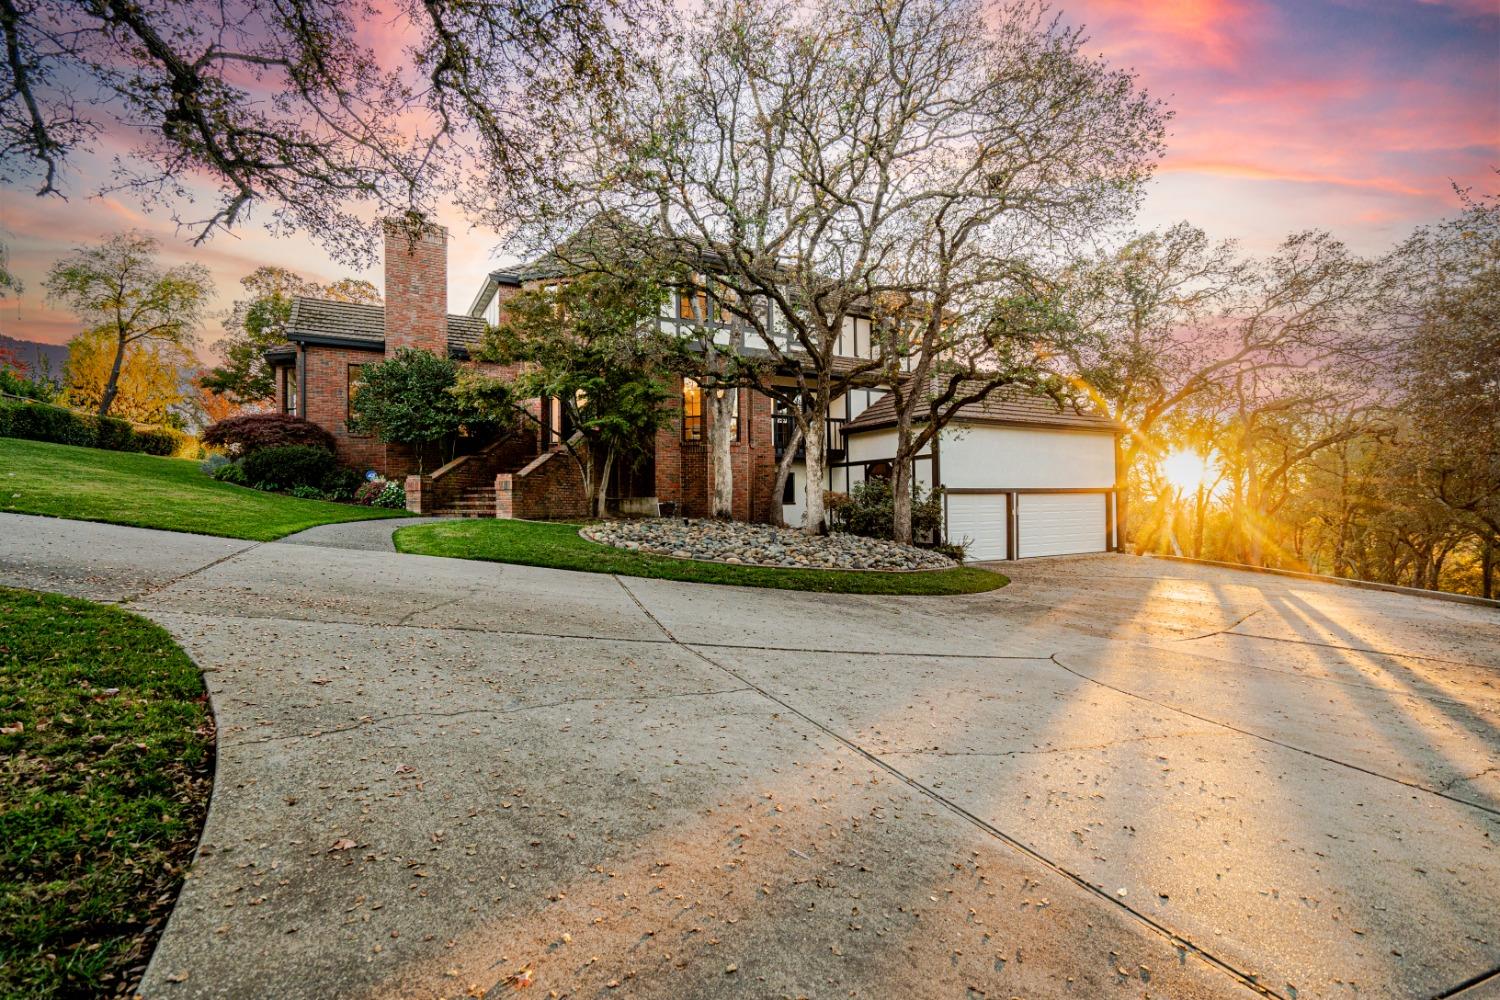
(41, 422)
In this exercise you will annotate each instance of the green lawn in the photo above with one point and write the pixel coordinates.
(107, 746)
(88, 484)
(559, 546)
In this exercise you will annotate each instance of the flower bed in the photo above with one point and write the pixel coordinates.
(740, 544)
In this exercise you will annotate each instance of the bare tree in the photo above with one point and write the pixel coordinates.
(802, 155)
(1171, 316)
(282, 103)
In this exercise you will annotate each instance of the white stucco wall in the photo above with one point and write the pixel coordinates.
(987, 457)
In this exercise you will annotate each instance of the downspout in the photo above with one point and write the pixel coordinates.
(301, 381)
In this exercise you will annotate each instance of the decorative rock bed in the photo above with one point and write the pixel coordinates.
(737, 543)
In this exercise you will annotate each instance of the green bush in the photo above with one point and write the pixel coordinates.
(158, 440)
(393, 496)
(13, 383)
(230, 472)
(341, 483)
(41, 422)
(307, 492)
(868, 511)
(289, 466)
(49, 423)
(113, 435)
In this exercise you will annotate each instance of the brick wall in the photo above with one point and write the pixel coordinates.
(327, 405)
(550, 488)
(416, 287)
(682, 467)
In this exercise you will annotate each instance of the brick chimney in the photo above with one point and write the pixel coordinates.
(416, 286)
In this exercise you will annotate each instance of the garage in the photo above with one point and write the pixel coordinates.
(978, 521)
(1060, 524)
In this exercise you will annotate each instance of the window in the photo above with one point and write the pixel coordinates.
(289, 390)
(355, 380)
(693, 307)
(878, 470)
(789, 492)
(692, 411)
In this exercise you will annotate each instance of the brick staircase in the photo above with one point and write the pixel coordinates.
(465, 487)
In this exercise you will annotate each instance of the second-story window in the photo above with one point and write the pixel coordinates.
(692, 410)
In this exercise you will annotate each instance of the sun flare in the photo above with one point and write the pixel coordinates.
(1188, 470)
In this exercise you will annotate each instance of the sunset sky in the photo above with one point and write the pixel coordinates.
(1349, 115)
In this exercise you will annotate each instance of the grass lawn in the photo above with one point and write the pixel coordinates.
(559, 546)
(87, 484)
(107, 746)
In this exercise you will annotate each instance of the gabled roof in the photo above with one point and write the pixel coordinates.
(361, 325)
(1011, 406)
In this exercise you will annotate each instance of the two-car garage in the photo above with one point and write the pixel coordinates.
(1044, 524)
(1021, 477)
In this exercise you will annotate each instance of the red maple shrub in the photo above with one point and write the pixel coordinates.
(253, 432)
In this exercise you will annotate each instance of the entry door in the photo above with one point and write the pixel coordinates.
(1059, 524)
(978, 520)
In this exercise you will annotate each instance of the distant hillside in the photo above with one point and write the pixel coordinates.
(31, 353)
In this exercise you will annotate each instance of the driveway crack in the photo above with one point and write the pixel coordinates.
(1175, 939)
(1268, 739)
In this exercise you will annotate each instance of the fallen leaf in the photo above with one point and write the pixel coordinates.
(342, 844)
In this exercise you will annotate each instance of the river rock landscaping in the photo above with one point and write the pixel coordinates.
(739, 544)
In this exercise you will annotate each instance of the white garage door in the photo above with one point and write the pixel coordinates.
(978, 520)
(1057, 524)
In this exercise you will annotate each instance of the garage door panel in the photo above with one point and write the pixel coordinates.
(978, 520)
(1059, 524)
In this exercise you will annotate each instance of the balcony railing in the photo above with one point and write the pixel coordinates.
(783, 427)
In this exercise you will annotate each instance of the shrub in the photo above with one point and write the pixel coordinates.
(252, 432)
(307, 492)
(366, 492)
(341, 483)
(868, 511)
(956, 551)
(112, 434)
(214, 462)
(158, 441)
(393, 496)
(288, 466)
(44, 422)
(230, 472)
(50, 423)
(13, 383)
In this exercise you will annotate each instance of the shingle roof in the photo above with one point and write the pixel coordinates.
(358, 321)
(1003, 406)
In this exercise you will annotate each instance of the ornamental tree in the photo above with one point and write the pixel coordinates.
(127, 299)
(590, 343)
(407, 399)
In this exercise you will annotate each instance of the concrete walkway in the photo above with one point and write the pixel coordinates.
(1115, 777)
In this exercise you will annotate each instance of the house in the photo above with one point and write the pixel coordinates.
(1022, 477)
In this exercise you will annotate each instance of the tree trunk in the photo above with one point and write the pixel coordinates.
(815, 425)
(1487, 570)
(721, 471)
(901, 481)
(112, 387)
(1122, 497)
(783, 470)
(901, 477)
(1200, 511)
(601, 494)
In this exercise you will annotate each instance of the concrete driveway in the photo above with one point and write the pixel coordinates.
(1116, 777)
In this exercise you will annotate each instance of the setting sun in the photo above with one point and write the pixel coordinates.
(1188, 470)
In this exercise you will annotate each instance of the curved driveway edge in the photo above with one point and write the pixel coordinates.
(1111, 778)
